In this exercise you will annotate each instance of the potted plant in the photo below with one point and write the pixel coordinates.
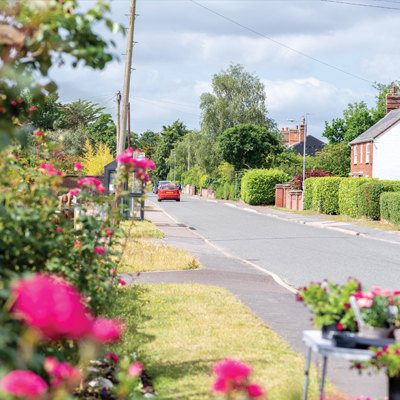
(387, 357)
(330, 305)
(379, 311)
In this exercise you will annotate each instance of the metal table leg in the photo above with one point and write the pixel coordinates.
(323, 378)
(306, 372)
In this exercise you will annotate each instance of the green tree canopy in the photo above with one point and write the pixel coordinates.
(334, 158)
(148, 142)
(248, 146)
(103, 130)
(238, 98)
(81, 113)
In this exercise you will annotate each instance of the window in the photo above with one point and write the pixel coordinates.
(367, 153)
(361, 153)
(355, 154)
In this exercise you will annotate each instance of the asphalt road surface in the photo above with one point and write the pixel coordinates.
(297, 253)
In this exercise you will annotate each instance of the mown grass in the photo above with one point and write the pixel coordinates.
(305, 212)
(180, 331)
(142, 229)
(145, 256)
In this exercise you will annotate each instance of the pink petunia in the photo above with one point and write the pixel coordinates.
(74, 192)
(122, 282)
(78, 166)
(22, 383)
(135, 369)
(105, 330)
(254, 391)
(113, 357)
(364, 303)
(99, 250)
(52, 306)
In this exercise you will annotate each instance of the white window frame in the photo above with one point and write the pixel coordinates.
(355, 154)
(367, 153)
(361, 153)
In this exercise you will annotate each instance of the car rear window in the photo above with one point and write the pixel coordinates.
(169, 187)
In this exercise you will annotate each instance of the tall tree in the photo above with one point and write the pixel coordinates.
(383, 89)
(248, 146)
(238, 98)
(81, 113)
(148, 142)
(169, 136)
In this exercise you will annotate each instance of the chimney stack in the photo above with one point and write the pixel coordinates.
(392, 100)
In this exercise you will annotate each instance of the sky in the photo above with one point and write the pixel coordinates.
(314, 57)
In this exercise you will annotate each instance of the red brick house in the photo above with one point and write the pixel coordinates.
(375, 153)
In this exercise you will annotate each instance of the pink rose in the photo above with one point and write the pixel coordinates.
(22, 383)
(52, 306)
(135, 369)
(112, 271)
(106, 330)
(112, 357)
(387, 292)
(368, 295)
(99, 250)
(78, 166)
(14, 103)
(59, 229)
(376, 290)
(100, 188)
(254, 391)
(122, 282)
(90, 181)
(77, 243)
(364, 303)
(32, 108)
(61, 372)
(229, 371)
(50, 170)
(74, 192)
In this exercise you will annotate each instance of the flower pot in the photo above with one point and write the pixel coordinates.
(394, 388)
(329, 330)
(376, 333)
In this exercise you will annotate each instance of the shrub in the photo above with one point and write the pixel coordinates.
(312, 173)
(348, 195)
(232, 192)
(202, 181)
(390, 207)
(227, 187)
(219, 192)
(258, 185)
(308, 194)
(96, 158)
(326, 192)
(369, 197)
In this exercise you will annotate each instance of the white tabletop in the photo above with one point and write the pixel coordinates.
(326, 347)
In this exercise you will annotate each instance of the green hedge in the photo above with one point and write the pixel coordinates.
(326, 192)
(258, 185)
(390, 207)
(308, 193)
(348, 195)
(369, 197)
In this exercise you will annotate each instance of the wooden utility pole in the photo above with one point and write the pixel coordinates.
(118, 115)
(127, 78)
(129, 124)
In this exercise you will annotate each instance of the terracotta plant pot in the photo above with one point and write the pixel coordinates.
(376, 333)
(394, 388)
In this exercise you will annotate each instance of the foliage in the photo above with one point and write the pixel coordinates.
(148, 142)
(313, 173)
(104, 130)
(94, 159)
(369, 197)
(238, 98)
(34, 33)
(334, 158)
(81, 113)
(258, 185)
(247, 146)
(330, 303)
(385, 357)
(226, 171)
(379, 111)
(202, 180)
(390, 207)
(170, 135)
(348, 204)
(308, 194)
(326, 193)
(192, 177)
(290, 162)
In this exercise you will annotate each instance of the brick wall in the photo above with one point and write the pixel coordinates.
(364, 167)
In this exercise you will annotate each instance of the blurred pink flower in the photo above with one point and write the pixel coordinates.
(387, 292)
(125, 157)
(368, 295)
(61, 372)
(14, 103)
(14, 156)
(59, 229)
(364, 303)
(78, 166)
(254, 391)
(230, 371)
(22, 383)
(50, 169)
(112, 357)
(77, 243)
(135, 369)
(112, 271)
(99, 250)
(53, 306)
(376, 290)
(90, 180)
(32, 108)
(122, 282)
(339, 326)
(100, 188)
(142, 176)
(106, 330)
(74, 192)
(221, 385)
(38, 134)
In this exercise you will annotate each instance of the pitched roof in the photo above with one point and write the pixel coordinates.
(380, 127)
(312, 146)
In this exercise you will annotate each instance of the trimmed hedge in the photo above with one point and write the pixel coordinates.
(326, 192)
(390, 207)
(348, 195)
(308, 193)
(369, 197)
(258, 185)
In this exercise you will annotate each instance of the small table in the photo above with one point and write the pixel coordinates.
(315, 342)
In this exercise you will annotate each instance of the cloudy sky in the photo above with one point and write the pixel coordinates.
(181, 45)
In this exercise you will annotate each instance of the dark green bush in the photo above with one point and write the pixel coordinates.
(232, 192)
(258, 185)
(348, 195)
(390, 207)
(308, 193)
(326, 192)
(369, 197)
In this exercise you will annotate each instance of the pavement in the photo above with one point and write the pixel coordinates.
(267, 296)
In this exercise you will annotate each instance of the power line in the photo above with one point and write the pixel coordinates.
(281, 44)
(169, 102)
(362, 5)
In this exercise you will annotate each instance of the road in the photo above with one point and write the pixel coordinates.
(297, 253)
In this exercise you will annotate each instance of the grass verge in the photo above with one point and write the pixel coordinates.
(145, 256)
(142, 229)
(180, 331)
(306, 212)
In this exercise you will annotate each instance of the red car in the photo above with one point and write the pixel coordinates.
(169, 192)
